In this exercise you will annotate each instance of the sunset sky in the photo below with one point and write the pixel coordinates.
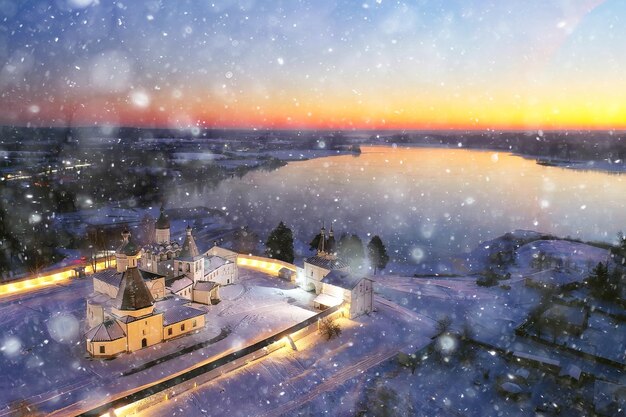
(428, 64)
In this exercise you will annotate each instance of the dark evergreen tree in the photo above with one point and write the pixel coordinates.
(279, 244)
(245, 240)
(618, 252)
(350, 249)
(9, 245)
(601, 283)
(315, 242)
(377, 254)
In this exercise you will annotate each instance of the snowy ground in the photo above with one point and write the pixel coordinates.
(593, 338)
(357, 372)
(288, 380)
(44, 357)
(339, 375)
(461, 388)
(324, 376)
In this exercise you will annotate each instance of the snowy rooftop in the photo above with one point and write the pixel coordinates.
(327, 300)
(211, 263)
(105, 332)
(571, 371)
(180, 313)
(325, 263)
(536, 358)
(161, 247)
(342, 279)
(110, 276)
(190, 250)
(205, 285)
(179, 284)
(573, 315)
(98, 298)
(609, 397)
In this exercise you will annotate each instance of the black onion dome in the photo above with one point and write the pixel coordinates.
(130, 248)
(163, 222)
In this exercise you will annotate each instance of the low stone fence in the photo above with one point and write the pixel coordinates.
(177, 384)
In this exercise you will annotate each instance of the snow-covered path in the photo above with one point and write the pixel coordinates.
(333, 382)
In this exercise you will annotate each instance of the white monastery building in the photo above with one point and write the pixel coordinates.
(148, 298)
(332, 281)
(318, 266)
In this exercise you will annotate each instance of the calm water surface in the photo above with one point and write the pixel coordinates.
(426, 203)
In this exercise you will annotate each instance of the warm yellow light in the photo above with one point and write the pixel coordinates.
(46, 280)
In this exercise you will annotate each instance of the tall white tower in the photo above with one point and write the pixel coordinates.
(126, 254)
(162, 228)
(189, 261)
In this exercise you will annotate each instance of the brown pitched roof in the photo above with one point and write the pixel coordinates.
(163, 222)
(133, 293)
(190, 251)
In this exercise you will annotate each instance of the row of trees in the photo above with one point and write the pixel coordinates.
(607, 279)
(279, 245)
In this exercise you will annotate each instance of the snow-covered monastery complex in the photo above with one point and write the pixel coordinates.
(148, 298)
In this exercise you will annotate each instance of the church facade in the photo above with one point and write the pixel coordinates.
(332, 281)
(123, 313)
(325, 260)
(152, 295)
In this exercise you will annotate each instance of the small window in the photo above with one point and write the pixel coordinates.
(144, 332)
(182, 327)
(169, 331)
(102, 349)
(194, 323)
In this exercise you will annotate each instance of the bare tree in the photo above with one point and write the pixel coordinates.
(329, 329)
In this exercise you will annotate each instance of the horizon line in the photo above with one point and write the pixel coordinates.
(330, 129)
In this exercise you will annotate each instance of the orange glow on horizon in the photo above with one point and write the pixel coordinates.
(578, 107)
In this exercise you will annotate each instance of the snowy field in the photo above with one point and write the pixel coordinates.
(288, 380)
(357, 371)
(332, 375)
(44, 357)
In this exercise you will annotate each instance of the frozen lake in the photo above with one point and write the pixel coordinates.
(425, 203)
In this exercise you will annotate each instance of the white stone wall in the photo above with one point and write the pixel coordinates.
(162, 235)
(362, 299)
(224, 275)
(313, 275)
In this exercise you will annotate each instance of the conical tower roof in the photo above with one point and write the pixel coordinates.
(321, 245)
(190, 250)
(133, 293)
(163, 222)
(331, 245)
